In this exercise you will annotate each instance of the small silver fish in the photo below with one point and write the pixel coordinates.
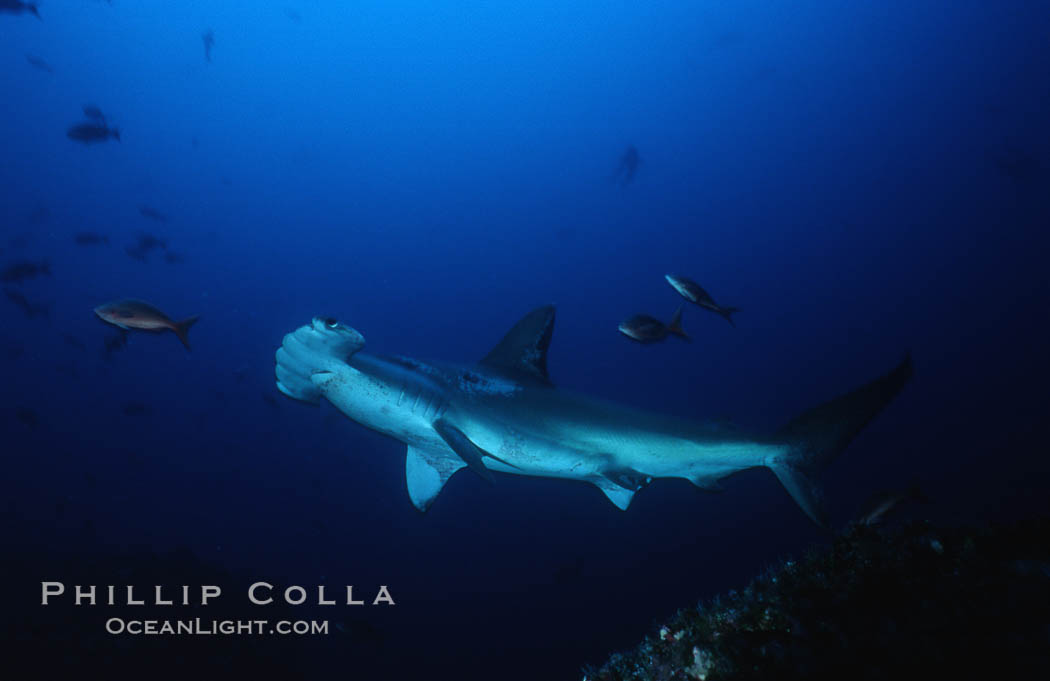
(694, 293)
(646, 329)
(136, 314)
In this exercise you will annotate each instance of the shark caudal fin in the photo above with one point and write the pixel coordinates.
(728, 312)
(182, 329)
(818, 435)
(321, 346)
(675, 327)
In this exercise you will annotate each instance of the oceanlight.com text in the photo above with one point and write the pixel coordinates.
(205, 627)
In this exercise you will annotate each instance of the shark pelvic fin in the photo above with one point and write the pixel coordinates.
(466, 450)
(426, 475)
(524, 349)
(627, 478)
(620, 496)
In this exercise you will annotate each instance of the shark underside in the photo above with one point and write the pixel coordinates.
(504, 414)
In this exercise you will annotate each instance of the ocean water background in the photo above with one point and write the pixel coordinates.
(861, 181)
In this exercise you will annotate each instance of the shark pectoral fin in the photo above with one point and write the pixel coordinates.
(427, 474)
(464, 448)
(620, 496)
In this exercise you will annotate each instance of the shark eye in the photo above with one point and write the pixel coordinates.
(331, 322)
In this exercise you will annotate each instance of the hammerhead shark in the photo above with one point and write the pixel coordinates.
(504, 414)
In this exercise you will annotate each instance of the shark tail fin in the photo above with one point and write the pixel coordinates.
(182, 329)
(728, 312)
(818, 435)
(675, 327)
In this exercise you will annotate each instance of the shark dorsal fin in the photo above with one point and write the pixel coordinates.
(523, 351)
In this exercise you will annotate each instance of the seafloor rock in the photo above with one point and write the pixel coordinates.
(914, 602)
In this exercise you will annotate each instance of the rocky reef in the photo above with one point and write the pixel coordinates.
(911, 602)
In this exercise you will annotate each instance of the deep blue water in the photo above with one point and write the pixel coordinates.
(862, 181)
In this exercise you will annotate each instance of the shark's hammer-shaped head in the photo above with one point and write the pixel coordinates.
(323, 345)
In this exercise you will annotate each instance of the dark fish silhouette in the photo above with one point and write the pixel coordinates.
(38, 63)
(692, 292)
(174, 258)
(17, 7)
(27, 417)
(88, 133)
(73, 341)
(209, 42)
(30, 310)
(90, 239)
(136, 314)
(20, 271)
(149, 242)
(115, 343)
(94, 113)
(646, 329)
(628, 166)
(146, 243)
(152, 213)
